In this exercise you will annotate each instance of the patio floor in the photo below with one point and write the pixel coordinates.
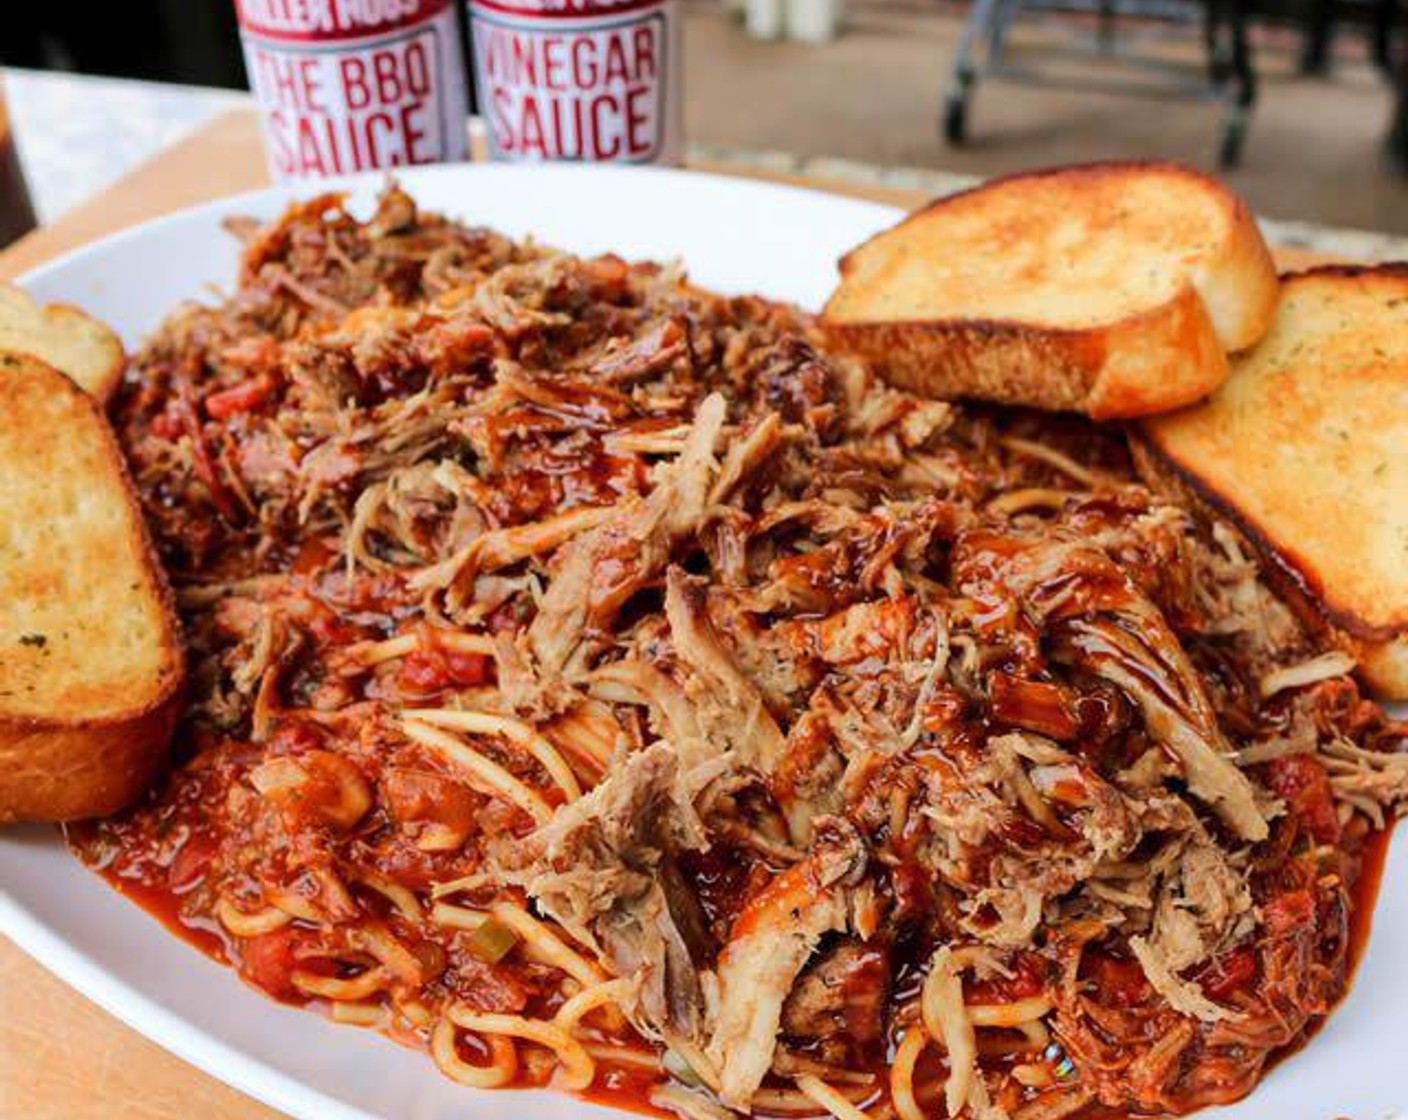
(1314, 148)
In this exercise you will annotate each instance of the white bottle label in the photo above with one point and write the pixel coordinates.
(354, 85)
(575, 80)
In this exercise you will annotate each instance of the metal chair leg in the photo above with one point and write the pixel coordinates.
(1004, 16)
(1218, 55)
(1231, 73)
(1244, 85)
(979, 25)
(1105, 28)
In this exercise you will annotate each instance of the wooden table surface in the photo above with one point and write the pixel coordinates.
(61, 1057)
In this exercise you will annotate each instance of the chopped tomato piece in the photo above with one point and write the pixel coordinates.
(1303, 784)
(268, 960)
(1229, 973)
(423, 671)
(433, 668)
(244, 397)
(466, 669)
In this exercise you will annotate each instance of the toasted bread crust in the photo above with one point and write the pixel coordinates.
(1334, 270)
(1151, 356)
(1241, 293)
(63, 336)
(62, 772)
(100, 383)
(1319, 577)
(1162, 359)
(1384, 667)
(99, 749)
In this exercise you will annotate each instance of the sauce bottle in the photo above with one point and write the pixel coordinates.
(579, 79)
(353, 85)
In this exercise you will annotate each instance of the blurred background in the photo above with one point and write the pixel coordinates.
(1299, 103)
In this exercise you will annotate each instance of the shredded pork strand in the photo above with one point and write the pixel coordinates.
(565, 636)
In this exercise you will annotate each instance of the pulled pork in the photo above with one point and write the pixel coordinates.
(816, 713)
